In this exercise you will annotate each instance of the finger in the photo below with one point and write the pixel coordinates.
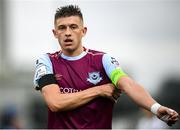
(171, 122)
(170, 111)
(112, 86)
(174, 119)
(174, 116)
(165, 118)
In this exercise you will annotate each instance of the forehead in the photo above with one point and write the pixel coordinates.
(69, 20)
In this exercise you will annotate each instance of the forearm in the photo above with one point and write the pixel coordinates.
(58, 101)
(136, 92)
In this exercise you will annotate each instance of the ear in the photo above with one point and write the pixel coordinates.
(84, 31)
(54, 32)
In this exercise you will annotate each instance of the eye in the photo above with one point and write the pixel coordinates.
(61, 27)
(74, 26)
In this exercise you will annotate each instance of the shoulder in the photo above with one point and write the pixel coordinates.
(48, 55)
(42, 58)
(110, 60)
(106, 58)
(95, 52)
(54, 54)
(46, 58)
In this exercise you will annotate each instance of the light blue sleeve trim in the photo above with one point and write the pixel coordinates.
(43, 66)
(110, 64)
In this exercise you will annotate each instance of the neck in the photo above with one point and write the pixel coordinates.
(73, 53)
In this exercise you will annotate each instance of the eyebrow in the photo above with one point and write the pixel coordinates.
(67, 24)
(61, 25)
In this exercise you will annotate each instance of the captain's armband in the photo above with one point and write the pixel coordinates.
(116, 75)
(46, 80)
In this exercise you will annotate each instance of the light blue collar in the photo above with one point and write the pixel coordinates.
(74, 57)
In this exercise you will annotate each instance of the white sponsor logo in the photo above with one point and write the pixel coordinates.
(69, 90)
(94, 77)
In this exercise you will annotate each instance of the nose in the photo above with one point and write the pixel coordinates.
(68, 32)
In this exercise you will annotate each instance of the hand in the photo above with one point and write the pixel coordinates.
(109, 91)
(116, 94)
(167, 115)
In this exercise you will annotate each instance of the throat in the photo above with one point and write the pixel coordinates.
(73, 58)
(72, 52)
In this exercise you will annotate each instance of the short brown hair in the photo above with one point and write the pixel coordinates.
(67, 11)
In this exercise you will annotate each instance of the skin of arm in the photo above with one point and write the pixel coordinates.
(58, 101)
(141, 97)
(136, 92)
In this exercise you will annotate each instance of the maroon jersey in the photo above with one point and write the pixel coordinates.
(77, 75)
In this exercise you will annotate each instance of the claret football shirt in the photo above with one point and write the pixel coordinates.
(73, 74)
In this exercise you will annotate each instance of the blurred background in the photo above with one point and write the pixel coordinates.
(144, 35)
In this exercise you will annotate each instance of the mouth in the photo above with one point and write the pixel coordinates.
(68, 40)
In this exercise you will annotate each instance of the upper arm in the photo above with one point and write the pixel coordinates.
(43, 67)
(44, 76)
(112, 68)
(126, 83)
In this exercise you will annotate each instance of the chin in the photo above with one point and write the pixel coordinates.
(70, 49)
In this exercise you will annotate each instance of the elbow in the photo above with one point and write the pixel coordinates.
(54, 107)
(53, 98)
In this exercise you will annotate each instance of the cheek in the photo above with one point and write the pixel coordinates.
(79, 39)
(59, 37)
(79, 36)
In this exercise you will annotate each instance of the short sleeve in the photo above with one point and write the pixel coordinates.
(112, 68)
(43, 67)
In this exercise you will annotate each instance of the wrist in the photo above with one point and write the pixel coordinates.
(155, 107)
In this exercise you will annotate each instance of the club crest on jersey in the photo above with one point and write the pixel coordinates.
(94, 77)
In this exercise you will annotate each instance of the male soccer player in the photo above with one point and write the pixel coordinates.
(80, 85)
